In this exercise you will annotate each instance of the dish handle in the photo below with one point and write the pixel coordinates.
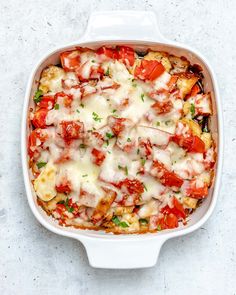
(123, 25)
(122, 254)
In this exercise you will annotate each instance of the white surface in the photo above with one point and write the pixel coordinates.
(33, 260)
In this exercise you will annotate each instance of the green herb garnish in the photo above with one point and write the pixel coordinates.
(96, 117)
(158, 123)
(116, 220)
(82, 146)
(85, 175)
(107, 73)
(38, 96)
(56, 107)
(128, 139)
(109, 135)
(69, 209)
(145, 187)
(123, 224)
(114, 111)
(192, 109)
(78, 111)
(126, 170)
(142, 97)
(143, 161)
(41, 164)
(159, 227)
(143, 221)
(82, 105)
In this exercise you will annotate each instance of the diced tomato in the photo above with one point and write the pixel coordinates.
(99, 156)
(64, 187)
(39, 119)
(197, 192)
(171, 221)
(71, 130)
(145, 148)
(109, 52)
(47, 102)
(36, 138)
(131, 186)
(171, 84)
(96, 73)
(149, 70)
(60, 208)
(194, 91)
(117, 124)
(126, 55)
(70, 60)
(177, 209)
(162, 107)
(192, 143)
(67, 98)
(122, 53)
(165, 176)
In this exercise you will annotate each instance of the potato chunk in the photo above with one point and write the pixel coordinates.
(51, 79)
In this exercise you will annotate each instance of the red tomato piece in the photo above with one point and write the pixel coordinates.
(162, 107)
(165, 176)
(197, 192)
(71, 130)
(64, 187)
(39, 119)
(36, 138)
(126, 55)
(194, 91)
(146, 147)
(132, 186)
(172, 83)
(178, 209)
(99, 156)
(117, 124)
(171, 221)
(66, 98)
(70, 60)
(149, 70)
(191, 143)
(47, 102)
(109, 52)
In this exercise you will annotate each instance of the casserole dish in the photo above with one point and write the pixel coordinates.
(138, 30)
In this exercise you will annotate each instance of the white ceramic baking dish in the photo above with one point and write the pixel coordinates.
(139, 30)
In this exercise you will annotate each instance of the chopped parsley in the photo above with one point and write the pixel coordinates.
(96, 117)
(128, 139)
(117, 221)
(192, 109)
(143, 161)
(126, 170)
(107, 73)
(142, 97)
(92, 60)
(85, 175)
(38, 96)
(145, 187)
(114, 111)
(78, 111)
(123, 224)
(138, 150)
(159, 227)
(82, 146)
(82, 105)
(109, 135)
(69, 209)
(158, 123)
(56, 107)
(41, 164)
(143, 221)
(167, 122)
(134, 85)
